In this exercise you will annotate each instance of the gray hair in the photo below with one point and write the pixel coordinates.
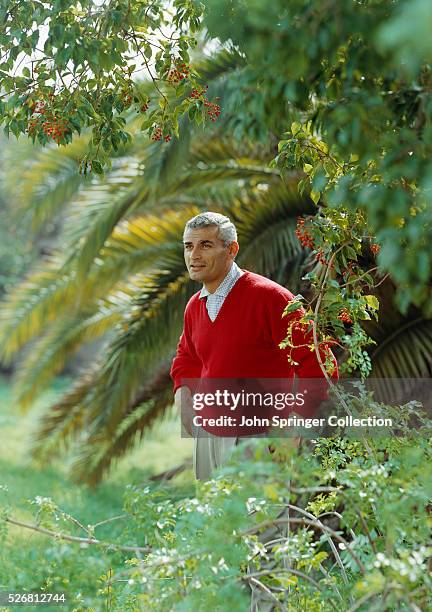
(227, 230)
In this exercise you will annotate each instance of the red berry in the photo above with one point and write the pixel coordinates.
(344, 316)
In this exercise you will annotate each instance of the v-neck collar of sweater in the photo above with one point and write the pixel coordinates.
(228, 298)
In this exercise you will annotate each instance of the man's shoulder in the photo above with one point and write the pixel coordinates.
(261, 285)
(193, 301)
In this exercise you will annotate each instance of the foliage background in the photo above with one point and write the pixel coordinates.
(329, 119)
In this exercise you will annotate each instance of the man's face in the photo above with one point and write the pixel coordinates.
(207, 259)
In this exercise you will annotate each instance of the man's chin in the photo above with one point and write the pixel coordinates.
(197, 275)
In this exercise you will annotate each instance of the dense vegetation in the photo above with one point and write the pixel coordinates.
(318, 147)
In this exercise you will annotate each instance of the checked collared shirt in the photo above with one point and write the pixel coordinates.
(215, 300)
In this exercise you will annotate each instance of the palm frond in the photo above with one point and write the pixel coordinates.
(104, 212)
(102, 448)
(151, 329)
(52, 292)
(108, 214)
(48, 356)
(94, 199)
(266, 225)
(164, 161)
(406, 352)
(207, 176)
(64, 421)
(220, 65)
(48, 180)
(31, 306)
(102, 397)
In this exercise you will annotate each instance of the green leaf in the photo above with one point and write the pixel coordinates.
(295, 128)
(294, 305)
(315, 196)
(97, 167)
(372, 302)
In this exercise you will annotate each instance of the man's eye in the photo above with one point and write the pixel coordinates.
(188, 247)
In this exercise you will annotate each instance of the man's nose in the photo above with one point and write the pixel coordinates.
(195, 253)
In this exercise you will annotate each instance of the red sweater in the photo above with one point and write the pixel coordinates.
(243, 340)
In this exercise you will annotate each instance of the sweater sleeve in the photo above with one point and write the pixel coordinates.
(303, 354)
(186, 363)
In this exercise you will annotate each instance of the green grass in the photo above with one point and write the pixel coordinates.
(31, 561)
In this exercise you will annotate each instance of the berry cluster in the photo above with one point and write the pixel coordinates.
(53, 127)
(303, 234)
(178, 73)
(158, 135)
(198, 94)
(375, 248)
(45, 120)
(213, 110)
(144, 107)
(37, 108)
(344, 316)
(320, 257)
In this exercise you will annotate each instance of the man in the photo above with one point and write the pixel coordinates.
(232, 330)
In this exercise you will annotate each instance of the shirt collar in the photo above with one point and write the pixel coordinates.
(226, 285)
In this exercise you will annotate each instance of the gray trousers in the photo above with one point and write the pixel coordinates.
(210, 452)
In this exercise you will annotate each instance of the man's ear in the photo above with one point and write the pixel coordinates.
(233, 249)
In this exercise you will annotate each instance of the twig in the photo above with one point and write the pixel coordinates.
(340, 517)
(317, 307)
(330, 541)
(304, 521)
(289, 570)
(361, 601)
(356, 509)
(77, 539)
(381, 281)
(350, 282)
(267, 590)
(316, 344)
(114, 518)
(168, 474)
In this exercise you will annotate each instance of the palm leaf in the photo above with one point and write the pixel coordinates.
(31, 306)
(266, 224)
(48, 356)
(220, 65)
(405, 353)
(100, 449)
(45, 181)
(64, 421)
(151, 329)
